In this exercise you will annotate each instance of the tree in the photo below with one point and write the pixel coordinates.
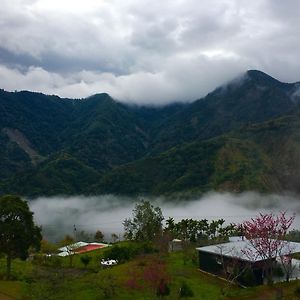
(146, 223)
(114, 238)
(68, 243)
(195, 230)
(47, 247)
(17, 230)
(85, 259)
(266, 235)
(233, 269)
(99, 236)
(286, 261)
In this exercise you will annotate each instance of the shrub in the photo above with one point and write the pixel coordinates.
(122, 254)
(185, 291)
(85, 260)
(125, 253)
(162, 289)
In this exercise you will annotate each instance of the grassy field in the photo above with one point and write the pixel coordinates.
(57, 280)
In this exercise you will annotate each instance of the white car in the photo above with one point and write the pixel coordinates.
(108, 262)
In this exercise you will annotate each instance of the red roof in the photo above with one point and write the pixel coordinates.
(88, 248)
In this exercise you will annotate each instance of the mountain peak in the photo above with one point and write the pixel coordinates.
(261, 77)
(100, 96)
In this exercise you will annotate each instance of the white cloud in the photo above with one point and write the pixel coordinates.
(144, 51)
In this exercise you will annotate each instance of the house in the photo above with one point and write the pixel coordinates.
(175, 245)
(80, 247)
(234, 257)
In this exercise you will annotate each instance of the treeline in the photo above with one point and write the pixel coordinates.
(200, 230)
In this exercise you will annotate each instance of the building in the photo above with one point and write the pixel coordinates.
(238, 256)
(80, 247)
(175, 245)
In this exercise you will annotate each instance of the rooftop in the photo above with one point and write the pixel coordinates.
(243, 249)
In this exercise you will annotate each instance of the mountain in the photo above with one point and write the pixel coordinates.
(253, 97)
(242, 136)
(261, 156)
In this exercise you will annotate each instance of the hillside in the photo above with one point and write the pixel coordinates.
(254, 97)
(242, 136)
(262, 156)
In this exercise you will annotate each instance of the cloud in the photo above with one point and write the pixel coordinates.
(182, 82)
(142, 51)
(58, 215)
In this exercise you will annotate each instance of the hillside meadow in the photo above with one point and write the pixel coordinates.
(54, 278)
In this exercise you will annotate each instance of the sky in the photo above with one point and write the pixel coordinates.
(142, 51)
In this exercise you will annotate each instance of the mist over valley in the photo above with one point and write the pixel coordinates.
(58, 215)
(243, 136)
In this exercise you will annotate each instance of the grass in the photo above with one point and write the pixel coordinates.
(11, 289)
(203, 286)
(33, 281)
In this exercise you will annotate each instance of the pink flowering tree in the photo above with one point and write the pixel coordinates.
(286, 261)
(266, 236)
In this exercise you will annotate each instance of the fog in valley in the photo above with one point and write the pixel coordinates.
(58, 215)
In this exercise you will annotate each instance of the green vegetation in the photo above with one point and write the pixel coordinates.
(145, 269)
(223, 163)
(146, 223)
(35, 281)
(17, 230)
(239, 137)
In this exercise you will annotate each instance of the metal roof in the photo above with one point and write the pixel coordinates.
(244, 250)
(72, 246)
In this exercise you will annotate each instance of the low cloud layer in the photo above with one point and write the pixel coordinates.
(142, 51)
(58, 215)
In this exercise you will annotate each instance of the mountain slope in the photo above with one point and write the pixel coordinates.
(254, 97)
(221, 163)
(61, 174)
(98, 133)
(104, 133)
(263, 157)
(243, 135)
(38, 117)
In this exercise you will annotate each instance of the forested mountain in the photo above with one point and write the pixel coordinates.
(244, 135)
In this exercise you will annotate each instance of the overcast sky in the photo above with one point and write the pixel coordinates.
(144, 51)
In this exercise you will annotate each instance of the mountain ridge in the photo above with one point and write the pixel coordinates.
(84, 143)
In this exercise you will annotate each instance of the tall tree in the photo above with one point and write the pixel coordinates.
(17, 230)
(146, 223)
(266, 235)
(99, 236)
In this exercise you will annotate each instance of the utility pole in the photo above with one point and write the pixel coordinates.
(75, 233)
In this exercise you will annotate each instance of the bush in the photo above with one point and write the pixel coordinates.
(162, 289)
(122, 254)
(85, 260)
(185, 291)
(125, 253)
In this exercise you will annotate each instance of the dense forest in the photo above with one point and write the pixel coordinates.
(244, 135)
